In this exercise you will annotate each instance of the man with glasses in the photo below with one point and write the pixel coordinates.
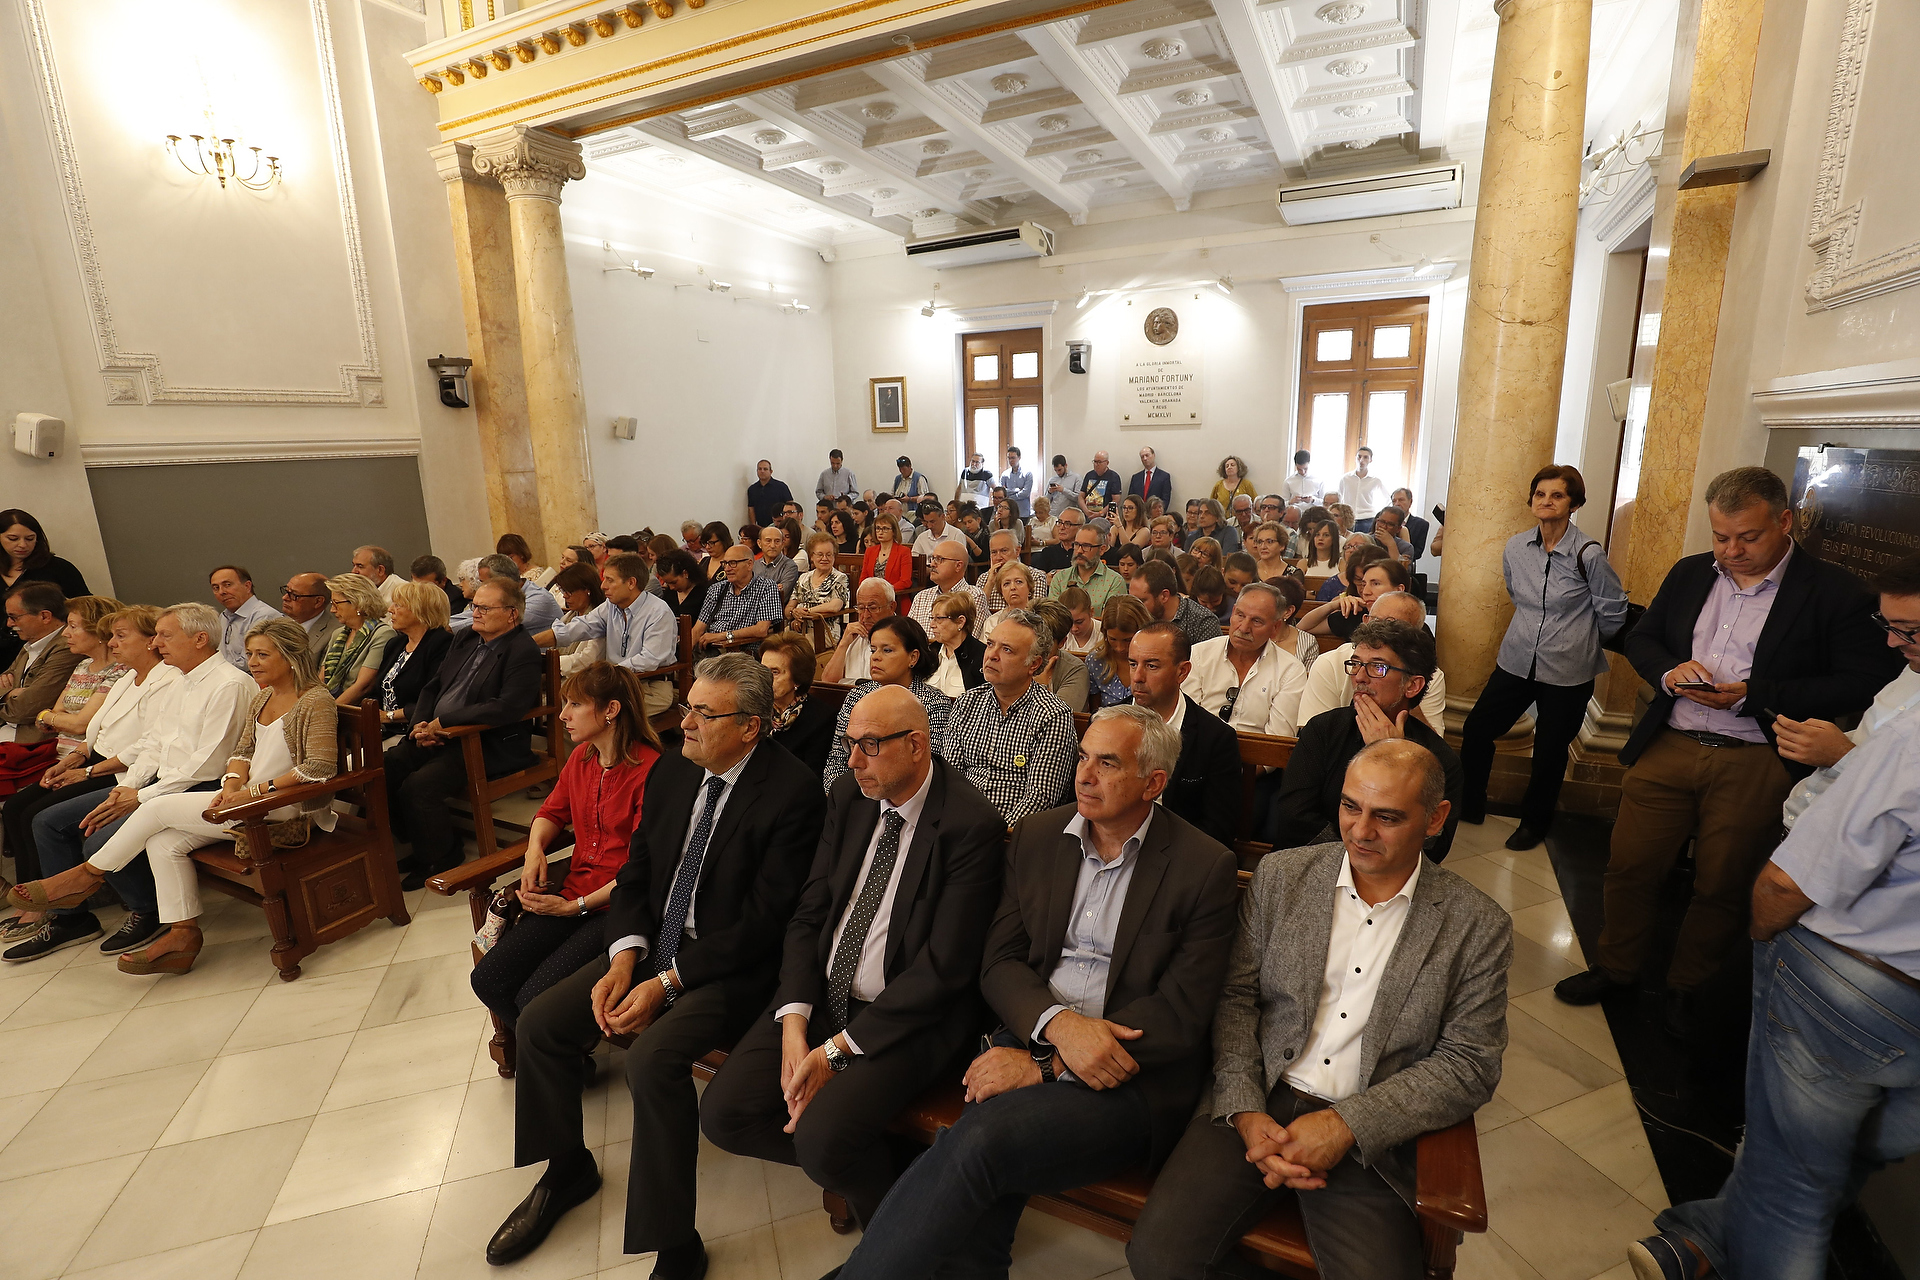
(850, 661)
(1101, 483)
(1243, 520)
(743, 606)
(304, 599)
(37, 613)
(694, 933)
(638, 628)
(1090, 572)
(1058, 554)
(1390, 666)
(877, 984)
(541, 610)
(936, 529)
(1243, 677)
(976, 480)
(947, 572)
(1329, 685)
(491, 676)
(240, 609)
(1011, 736)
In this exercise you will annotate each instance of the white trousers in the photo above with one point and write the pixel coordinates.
(167, 829)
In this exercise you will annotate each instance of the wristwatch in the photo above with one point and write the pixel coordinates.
(581, 903)
(1042, 1058)
(729, 637)
(836, 1060)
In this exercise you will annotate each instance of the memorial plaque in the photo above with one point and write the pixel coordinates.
(1160, 390)
(1859, 508)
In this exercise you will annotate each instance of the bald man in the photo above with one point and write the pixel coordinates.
(877, 995)
(304, 599)
(1329, 685)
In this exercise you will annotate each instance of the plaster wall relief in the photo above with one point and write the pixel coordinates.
(198, 294)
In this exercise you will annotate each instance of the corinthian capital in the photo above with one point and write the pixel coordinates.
(528, 162)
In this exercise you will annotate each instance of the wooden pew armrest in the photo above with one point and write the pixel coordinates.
(1447, 1185)
(260, 808)
(475, 730)
(482, 872)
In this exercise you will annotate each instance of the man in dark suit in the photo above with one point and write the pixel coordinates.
(1754, 629)
(1205, 786)
(877, 996)
(1151, 482)
(1104, 964)
(727, 829)
(491, 676)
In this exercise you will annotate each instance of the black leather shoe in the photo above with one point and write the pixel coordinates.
(1590, 987)
(1525, 838)
(1678, 1014)
(535, 1216)
(682, 1262)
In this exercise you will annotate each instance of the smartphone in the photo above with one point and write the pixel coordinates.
(1766, 715)
(1696, 686)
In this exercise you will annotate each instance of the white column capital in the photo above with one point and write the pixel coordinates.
(529, 163)
(454, 162)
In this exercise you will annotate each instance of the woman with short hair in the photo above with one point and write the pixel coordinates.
(419, 619)
(1040, 528)
(888, 556)
(580, 594)
(801, 723)
(352, 660)
(961, 654)
(822, 593)
(899, 653)
(1014, 577)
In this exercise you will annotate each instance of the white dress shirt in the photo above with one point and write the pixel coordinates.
(1329, 686)
(644, 636)
(633, 941)
(126, 713)
(857, 662)
(1269, 700)
(386, 586)
(1358, 949)
(191, 734)
(1298, 487)
(870, 978)
(1365, 494)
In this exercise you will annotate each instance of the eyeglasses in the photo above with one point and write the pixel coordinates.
(946, 560)
(715, 715)
(1377, 668)
(490, 608)
(870, 747)
(734, 561)
(288, 593)
(1906, 636)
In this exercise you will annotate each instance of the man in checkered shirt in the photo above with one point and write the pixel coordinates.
(1011, 737)
(743, 606)
(947, 573)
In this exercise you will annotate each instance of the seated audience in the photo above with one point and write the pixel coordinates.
(740, 606)
(690, 531)
(598, 795)
(1207, 553)
(899, 653)
(741, 818)
(683, 585)
(1329, 685)
(113, 728)
(1213, 523)
(1085, 634)
(490, 676)
(877, 996)
(515, 548)
(1040, 528)
(801, 723)
(1109, 681)
(1321, 554)
(1058, 554)
(873, 600)
(187, 739)
(32, 685)
(1237, 570)
(1365, 1004)
(1013, 585)
(1128, 562)
(960, 653)
(714, 540)
(580, 594)
(1353, 566)
(1012, 738)
(821, 593)
(539, 611)
(845, 531)
(1158, 587)
(1002, 551)
(774, 564)
(86, 634)
(1163, 534)
(239, 610)
(1089, 571)
(637, 628)
(1390, 666)
(1065, 673)
(418, 616)
(1204, 787)
(1337, 618)
(352, 659)
(287, 739)
(1341, 514)
(1006, 519)
(375, 564)
(947, 574)
(1244, 677)
(887, 555)
(1085, 1005)
(1300, 644)
(1210, 593)
(434, 570)
(1133, 530)
(1388, 529)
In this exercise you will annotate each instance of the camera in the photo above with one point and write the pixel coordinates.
(452, 373)
(1079, 355)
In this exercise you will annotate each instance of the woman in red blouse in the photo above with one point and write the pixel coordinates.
(598, 796)
(887, 555)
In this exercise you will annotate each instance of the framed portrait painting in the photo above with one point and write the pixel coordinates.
(889, 403)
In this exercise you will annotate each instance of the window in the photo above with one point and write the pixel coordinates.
(1003, 405)
(1360, 374)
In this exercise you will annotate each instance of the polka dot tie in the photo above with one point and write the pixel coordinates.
(673, 922)
(853, 938)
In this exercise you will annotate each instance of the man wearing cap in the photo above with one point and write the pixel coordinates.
(910, 483)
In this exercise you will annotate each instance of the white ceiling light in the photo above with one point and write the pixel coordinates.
(1224, 284)
(1084, 298)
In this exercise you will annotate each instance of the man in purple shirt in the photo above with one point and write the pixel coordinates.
(1753, 630)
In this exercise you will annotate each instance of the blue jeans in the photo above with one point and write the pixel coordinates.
(1833, 1094)
(962, 1200)
(56, 833)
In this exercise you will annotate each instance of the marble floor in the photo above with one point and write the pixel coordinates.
(350, 1124)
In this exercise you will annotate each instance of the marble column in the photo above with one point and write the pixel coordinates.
(1515, 344)
(483, 252)
(532, 165)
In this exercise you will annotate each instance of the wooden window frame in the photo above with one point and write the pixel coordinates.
(1004, 393)
(1362, 373)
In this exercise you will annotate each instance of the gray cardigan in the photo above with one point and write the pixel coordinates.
(1430, 1055)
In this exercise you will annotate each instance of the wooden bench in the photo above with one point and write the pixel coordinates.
(339, 880)
(482, 791)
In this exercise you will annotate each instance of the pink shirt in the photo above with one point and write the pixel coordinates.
(1724, 638)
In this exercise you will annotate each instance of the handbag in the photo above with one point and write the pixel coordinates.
(503, 912)
(290, 834)
(1617, 642)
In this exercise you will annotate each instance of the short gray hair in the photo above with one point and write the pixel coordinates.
(468, 572)
(194, 616)
(1159, 744)
(752, 684)
(379, 555)
(498, 566)
(1042, 634)
(1267, 589)
(1734, 490)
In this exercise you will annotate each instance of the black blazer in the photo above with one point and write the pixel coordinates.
(968, 655)
(810, 736)
(949, 885)
(1205, 787)
(1820, 653)
(756, 862)
(1169, 958)
(420, 668)
(505, 690)
(1162, 486)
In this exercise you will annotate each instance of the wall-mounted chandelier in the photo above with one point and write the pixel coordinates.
(212, 157)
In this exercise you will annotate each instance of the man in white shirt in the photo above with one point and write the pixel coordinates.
(1329, 685)
(946, 573)
(639, 629)
(1302, 489)
(240, 609)
(1243, 677)
(850, 661)
(376, 565)
(1361, 491)
(191, 733)
(936, 529)
(976, 480)
(1365, 1005)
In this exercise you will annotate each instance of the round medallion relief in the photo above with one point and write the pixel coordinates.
(1162, 326)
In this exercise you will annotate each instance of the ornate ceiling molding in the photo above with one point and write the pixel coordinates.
(135, 377)
(180, 452)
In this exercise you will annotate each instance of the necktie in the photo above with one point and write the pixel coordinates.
(853, 938)
(674, 922)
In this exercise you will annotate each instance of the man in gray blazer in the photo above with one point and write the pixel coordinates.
(1365, 1005)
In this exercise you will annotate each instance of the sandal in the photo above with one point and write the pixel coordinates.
(166, 961)
(33, 895)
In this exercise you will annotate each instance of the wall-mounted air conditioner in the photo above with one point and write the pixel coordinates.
(1413, 191)
(988, 244)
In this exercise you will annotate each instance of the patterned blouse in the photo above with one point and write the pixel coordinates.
(815, 589)
(81, 686)
(346, 654)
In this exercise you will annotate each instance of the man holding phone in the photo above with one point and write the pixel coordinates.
(1754, 626)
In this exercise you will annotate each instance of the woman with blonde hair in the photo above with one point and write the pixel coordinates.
(1233, 481)
(287, 740)
(1109, 680)
(353, 656)
(1040, 528)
